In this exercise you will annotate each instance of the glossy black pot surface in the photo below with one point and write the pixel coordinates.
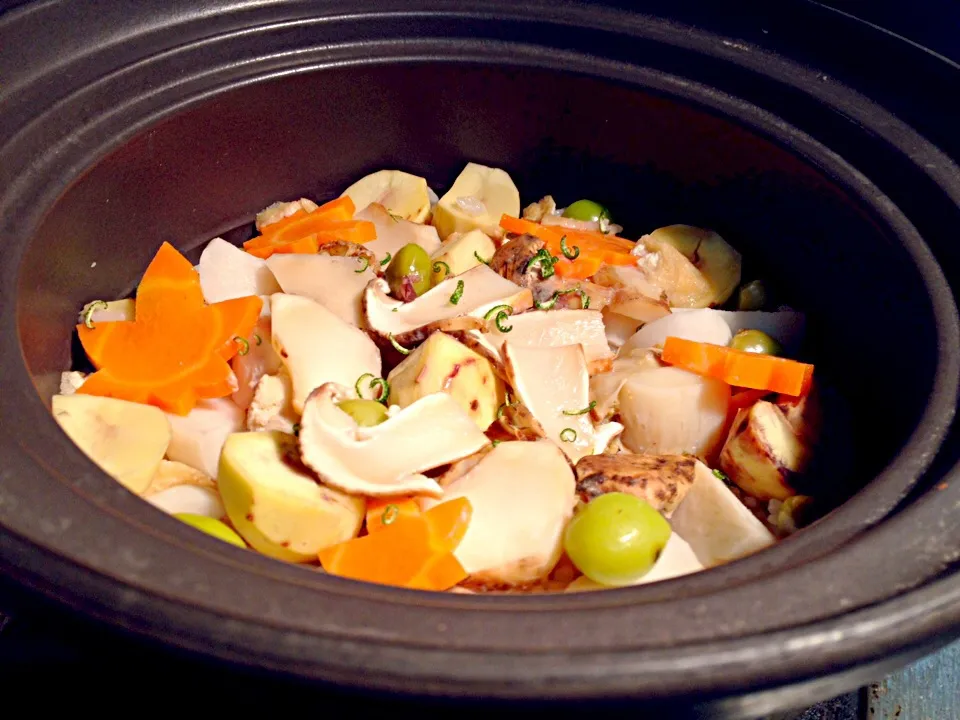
(126, 124)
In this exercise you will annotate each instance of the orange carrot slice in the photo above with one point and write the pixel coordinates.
(448, 523)
(392, 556)
(305, 232)
(440, 573)
(735, 367)
(176, 349)
(412, 551)
(595, 248)
(383, 512)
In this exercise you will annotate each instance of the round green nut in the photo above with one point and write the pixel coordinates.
(587, 210)
(755, 341)
(366, 413)
(409, 273)
(212, 527)
(616, 538)
(752, 296)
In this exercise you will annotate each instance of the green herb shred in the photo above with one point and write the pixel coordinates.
(584, 411)
(397, 346)
(244, 345)
(386, 260)
(567, 252)
(457, 294)
(568, 435)
(90, 310)
(365, 263)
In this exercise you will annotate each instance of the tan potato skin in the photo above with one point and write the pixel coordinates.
(662, 480)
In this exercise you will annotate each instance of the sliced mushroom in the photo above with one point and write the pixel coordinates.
(448, 306)
(717, 525)
(553, 384)
(305, 334)
(336, 282)
(763, 452)
(553, 328)
(635, 296)
(605, 387)
(619, 328)
(661, 480)
(258, 358)
(393, 233)
(386, 459)
(272, 404)
(512, 260)
(565, 293)
(522, 495)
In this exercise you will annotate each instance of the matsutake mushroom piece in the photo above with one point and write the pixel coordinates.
(385, 459)
(522, 495)
(661, 480)
(457, 303)
(393, 233)
(635, 296)
(717, 525)
(336, 282)
(554, 328)
(317, 346)
(553, 384)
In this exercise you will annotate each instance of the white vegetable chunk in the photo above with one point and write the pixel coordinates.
(672, 411)
(717, 525)
(336, 282)
(702, 325)
(198, 437)
(318, 347)
(227, 272)
(522, 495)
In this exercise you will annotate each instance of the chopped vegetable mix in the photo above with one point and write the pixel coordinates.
(456, 392)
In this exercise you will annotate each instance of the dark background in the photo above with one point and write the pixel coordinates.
(77, 665)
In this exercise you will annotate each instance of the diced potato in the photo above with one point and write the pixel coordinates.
(442, 364)
(461, 252)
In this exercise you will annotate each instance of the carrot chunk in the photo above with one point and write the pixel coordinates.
(304, 232)
(735, 367)
(175, 350)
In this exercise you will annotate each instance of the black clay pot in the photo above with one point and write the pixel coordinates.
(126, 124)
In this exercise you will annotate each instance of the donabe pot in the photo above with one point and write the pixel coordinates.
(124, 125)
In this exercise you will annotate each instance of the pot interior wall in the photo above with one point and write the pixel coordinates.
(652, 159)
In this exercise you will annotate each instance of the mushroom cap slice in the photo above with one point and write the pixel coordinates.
(317, 346)
(635, 295)
(386, 459)
(661, 480)
(554, 328)
(336, 282)
(411, 322)
(394, 233)
(522, 495)
(717, 525)
(553, 384)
